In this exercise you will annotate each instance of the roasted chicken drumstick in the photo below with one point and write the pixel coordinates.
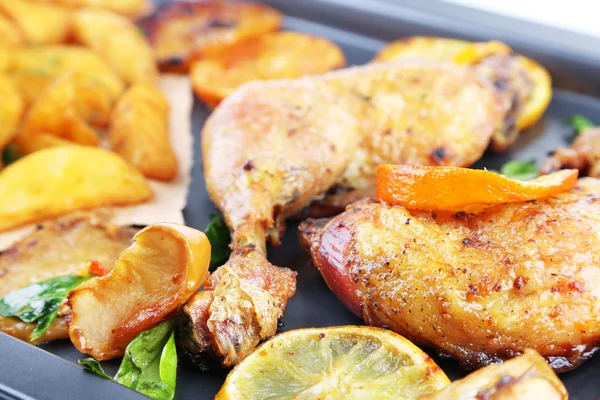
(478, 287)
(272, 147)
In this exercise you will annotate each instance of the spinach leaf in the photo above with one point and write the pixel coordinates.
(40, 301)
(149, 365)
(10, 155)
(579, 122)
(219, 238)
(521, 170)
(94, 366)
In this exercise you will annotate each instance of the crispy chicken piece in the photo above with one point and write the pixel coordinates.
(584, 155)
(480, 288)
(272, 146)
(57, 248)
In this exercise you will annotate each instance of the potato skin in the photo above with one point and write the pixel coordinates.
(117, 40)
(182, 31)
(11, 109)
(58, 180)
(32, 69)
(9, 33)
(39, 23)
(139, 132)
(275, 55)
(54, 114)
(128, 8)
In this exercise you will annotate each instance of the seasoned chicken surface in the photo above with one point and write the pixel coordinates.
(584, 155)
(480, 288)
(272, 147)
(58, 248)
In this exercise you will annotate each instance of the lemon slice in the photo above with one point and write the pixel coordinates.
(347, 362)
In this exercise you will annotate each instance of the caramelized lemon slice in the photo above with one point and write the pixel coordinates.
(348, 362)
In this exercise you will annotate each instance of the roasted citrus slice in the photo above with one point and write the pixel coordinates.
(457, 189)
(151, 279)
(422, 47)
(183, 30)
(347, 362)
(522, 378)
(272, 56)
(541, 93)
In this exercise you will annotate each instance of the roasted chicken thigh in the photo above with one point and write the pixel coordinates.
(480, 288)
(272, 147)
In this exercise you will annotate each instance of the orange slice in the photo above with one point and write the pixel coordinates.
(272, 56)
(458, 189)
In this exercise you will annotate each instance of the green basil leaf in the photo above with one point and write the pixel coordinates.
(521, 170)
(150, 363)
(10, 155)
(40, 301)
(219, 238)
(94, 366)
(579, 122)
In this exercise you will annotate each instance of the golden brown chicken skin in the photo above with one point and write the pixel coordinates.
(416, 113)
(583, 154)
(58, 248)
(480, 288)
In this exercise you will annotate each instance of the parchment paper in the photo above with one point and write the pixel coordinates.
(169, 197)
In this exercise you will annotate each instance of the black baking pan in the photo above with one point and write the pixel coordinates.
(360, 27)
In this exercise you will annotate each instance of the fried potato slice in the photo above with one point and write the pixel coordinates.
(272, 56)
(32, 69)
(54, 114)
(117, 40)
(182, 31)
(139, 132)
(57, 248)
(521, 378)
(128, 8)
(58, 180)
(38, 23)
(11, 109)
(151, 279)
(458, 189)
(9, 33)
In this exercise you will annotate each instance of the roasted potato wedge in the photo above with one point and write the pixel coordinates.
(139, 132)
(57, 248)
(58, 180)
(272, 56)
(117, 40)
(522, 378)
(470, 53)
(128, 8)
(54, 114)
(151, 279)
(38, 23)
(10, 35)
(11, 109)
(182, 31)
(32, 69)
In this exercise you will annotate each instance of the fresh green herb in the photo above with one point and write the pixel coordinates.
(521, 170)
(579, 122)
(149, 365)
(40, 301)
(10, 155)
(219, 238)
(94, 366)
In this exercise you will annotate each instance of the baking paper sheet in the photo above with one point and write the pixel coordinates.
(169, 197)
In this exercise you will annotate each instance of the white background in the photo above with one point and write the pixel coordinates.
(582, 16)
